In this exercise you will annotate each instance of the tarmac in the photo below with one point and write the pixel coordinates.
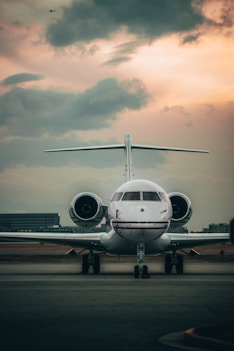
(208, 336)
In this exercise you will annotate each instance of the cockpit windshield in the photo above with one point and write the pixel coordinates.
(131, 196)
(150, 196)
(136, 196)
(117, 196)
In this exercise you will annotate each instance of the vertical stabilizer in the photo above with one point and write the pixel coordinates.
(128, 152)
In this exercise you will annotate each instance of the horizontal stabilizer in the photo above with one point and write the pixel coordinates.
(80, 148)
(122, 146)
(165, 148)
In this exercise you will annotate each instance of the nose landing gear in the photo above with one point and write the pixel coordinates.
(140, 270)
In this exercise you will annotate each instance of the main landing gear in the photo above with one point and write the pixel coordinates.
(93, 260)
(140, 270)
(176, 260)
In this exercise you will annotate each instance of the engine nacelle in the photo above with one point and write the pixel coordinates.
(181, 209)
(86, 210)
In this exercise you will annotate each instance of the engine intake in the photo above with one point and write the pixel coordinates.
(181, 209)
(86, 210)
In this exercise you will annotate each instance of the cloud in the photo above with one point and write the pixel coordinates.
(116, 61)
(90, 20)
(33, 112)
(30, 152)
(122, 52)
(191, 38)
(189, 124)
(21, 78)
(129, 47)
(219, 13)
(178, 109)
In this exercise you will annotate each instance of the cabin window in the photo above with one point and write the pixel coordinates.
(131, 196)
(117, 196)
(150, 196)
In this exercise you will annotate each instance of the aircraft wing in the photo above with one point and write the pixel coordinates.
(187, 240)
(93, 240)
(84, 240)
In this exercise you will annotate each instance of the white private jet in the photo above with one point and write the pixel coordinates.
(138, 217)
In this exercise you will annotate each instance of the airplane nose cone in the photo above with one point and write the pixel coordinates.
(141, 213)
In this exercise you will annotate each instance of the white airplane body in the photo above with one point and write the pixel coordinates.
(139, 217)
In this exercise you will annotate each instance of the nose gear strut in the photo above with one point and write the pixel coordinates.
(141, 270)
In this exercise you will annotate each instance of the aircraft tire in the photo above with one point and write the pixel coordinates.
(168, 264)
(85, 264)
(96, 264)
(145, 270)
(136, 271)
(145, 273)
(179, 265)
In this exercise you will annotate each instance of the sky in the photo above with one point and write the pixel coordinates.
(94, 70)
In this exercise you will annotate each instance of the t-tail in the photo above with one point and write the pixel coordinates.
(127, 146)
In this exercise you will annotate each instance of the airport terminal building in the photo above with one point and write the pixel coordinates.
(29, 221)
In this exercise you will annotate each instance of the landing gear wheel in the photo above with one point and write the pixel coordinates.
(168, 264)
(136, 272)
(96, 264)
(145, 273)
(85, 264)
(179, 265)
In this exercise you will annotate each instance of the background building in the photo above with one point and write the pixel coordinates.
(29, 221)
(217, 228)
(51, 222)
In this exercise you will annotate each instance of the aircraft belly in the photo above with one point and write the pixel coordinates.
(118, 245)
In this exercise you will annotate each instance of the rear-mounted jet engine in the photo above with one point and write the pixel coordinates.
(181, 209)
(86, 210)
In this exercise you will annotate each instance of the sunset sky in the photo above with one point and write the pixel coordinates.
(94, 70)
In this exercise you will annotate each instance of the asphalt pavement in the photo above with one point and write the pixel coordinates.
(48, 311)
(46, 304)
